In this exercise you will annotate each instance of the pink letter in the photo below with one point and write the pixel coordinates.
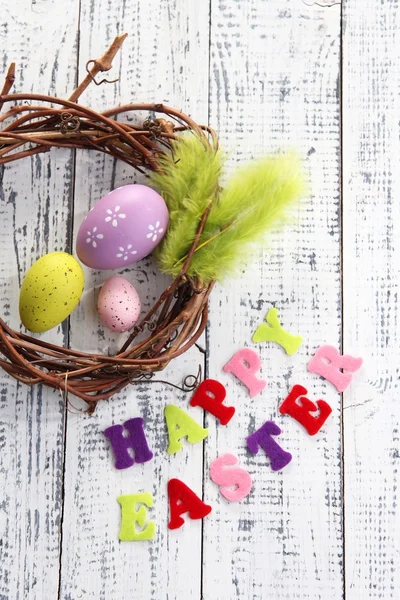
(244, 365)
(331, 370)
(230, 477)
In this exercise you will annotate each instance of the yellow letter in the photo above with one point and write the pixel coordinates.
(130, 516)
(273, 332)
(180, 425)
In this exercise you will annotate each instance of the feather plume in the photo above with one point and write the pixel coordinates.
(254, 201)
(188, 182)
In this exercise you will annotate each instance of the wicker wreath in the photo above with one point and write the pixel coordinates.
(179, 317)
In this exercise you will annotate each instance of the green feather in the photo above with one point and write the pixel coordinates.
(188, 182)
(188, 178)
(254, 201)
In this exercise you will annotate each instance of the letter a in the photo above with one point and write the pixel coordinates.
(231, 477)
(130, 516)
(263, 438)
(244, 364)
(182, 500)
(136, 440)
(180, 425)
(328, 363)
(210, 395)
(301, 410)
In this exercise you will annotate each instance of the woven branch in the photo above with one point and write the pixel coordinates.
(34, 124)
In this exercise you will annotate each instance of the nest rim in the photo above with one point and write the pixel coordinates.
(178, 318)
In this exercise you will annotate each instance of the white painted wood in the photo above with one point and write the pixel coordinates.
(164, 59)
(35, 200)
(274, 84)
(371, 254)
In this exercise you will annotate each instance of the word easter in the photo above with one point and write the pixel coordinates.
(234, 481)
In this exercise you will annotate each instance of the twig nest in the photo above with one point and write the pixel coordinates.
(118, 304)
(123, 227)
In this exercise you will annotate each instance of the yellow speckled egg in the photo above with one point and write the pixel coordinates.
(50, 291)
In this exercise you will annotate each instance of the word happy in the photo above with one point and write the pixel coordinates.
(233, 480)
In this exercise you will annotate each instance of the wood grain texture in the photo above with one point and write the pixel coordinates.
(164, 59)
(35, 208)
(371, 186)
(269, 81)
(274, 84)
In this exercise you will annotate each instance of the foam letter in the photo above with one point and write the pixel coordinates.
(273, 332)
(330, 370)
(136, 440)
(244, 364)
(263, 438)
(130, 516)
(301, 411)
(180, 425)
(210, 395)
(182, 500)
(226, 478)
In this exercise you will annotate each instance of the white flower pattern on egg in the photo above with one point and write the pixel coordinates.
(155, 231)
(114, 215)
(93, 236)
(125, 252)
(133, 214)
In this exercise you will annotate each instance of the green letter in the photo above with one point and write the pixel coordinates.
(273, 332)
(131, 516)
(180, 425)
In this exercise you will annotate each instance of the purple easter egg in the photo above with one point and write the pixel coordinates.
(122, 227)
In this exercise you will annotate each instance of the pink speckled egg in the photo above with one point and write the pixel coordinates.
(122, 227)
(118, 304)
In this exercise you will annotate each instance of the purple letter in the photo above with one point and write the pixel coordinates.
(263, 438)
(136, 440)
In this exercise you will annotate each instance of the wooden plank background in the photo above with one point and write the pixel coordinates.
(319, 77)
(371, 254)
